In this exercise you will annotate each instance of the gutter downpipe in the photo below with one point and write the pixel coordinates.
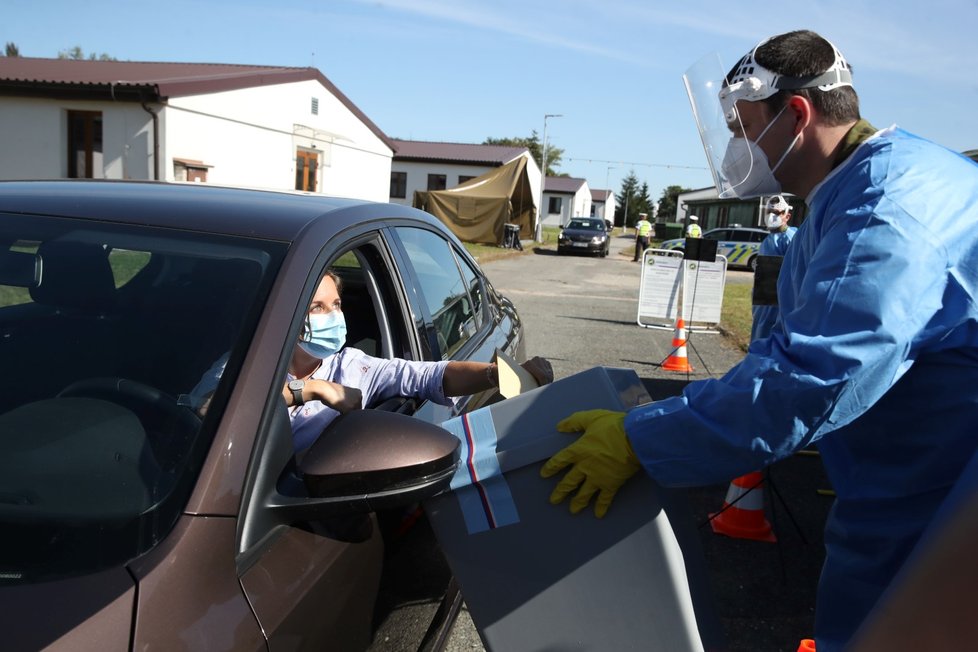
(156, 139)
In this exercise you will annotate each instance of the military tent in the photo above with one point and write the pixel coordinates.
(479, 209)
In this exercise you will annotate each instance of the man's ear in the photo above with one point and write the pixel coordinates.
(804, 113)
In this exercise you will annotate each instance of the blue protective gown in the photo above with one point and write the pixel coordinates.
(763, 317)
(875, 358)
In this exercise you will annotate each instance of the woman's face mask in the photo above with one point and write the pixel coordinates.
(746, 168)
(325, 334)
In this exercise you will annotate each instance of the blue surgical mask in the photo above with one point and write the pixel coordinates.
(325, 334)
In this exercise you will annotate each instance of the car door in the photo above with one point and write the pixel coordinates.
(459, 314)
(743, 247)
(724, 242)
(313, 585)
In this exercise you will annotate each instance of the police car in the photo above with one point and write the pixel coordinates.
(740, 245)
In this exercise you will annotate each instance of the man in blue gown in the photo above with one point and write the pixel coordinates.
(875, 356)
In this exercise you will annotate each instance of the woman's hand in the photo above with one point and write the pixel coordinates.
(540, 369)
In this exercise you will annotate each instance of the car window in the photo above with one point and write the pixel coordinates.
(718, 234)
(102, 328)
(586, 225)
(445, 291)
(740, 235)
(756, 236)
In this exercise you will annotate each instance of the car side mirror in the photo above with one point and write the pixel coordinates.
(364, 461)
(369, 460)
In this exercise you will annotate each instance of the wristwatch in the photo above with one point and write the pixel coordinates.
(295, 386)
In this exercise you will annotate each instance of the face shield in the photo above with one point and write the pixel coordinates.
(777, 208)
(714, 103)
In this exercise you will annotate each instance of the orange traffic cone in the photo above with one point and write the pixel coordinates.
(806, 645)
(742, 516)
(677, 360)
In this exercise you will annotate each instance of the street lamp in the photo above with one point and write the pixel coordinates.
(607, 189)
(543, 176)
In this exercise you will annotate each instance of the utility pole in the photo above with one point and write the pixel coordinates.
(543, 176)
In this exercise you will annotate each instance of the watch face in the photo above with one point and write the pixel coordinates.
(296, 384)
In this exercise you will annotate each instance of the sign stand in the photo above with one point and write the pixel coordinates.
(695, 280)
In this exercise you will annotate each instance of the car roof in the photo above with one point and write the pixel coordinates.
(268, 214)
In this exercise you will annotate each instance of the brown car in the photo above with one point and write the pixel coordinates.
(128, 521)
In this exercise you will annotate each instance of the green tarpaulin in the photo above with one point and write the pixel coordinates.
(479, 209)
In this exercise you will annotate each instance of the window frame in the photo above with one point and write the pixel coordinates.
(437, 181)
(91, 122)
(398, 185)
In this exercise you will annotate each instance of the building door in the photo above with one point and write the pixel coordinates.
(306, 166)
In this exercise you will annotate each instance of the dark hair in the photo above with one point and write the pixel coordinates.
(804, 53)
(336, 279)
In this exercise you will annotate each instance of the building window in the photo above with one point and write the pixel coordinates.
(85, 145)
(555, 205)
(594, 209)
(436, 181)
(306, 168)
(315, 106)
(399, 185)
(462, 178)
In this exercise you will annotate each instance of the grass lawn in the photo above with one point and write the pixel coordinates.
(735, 317)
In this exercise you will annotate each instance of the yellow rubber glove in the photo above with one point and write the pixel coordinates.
(602, 460)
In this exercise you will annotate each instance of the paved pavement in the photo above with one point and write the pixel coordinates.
(581, 312)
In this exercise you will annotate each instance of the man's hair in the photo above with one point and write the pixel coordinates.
(800, 54)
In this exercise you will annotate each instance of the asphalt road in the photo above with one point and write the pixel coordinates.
(581, 312)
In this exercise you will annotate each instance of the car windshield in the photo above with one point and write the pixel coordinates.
(104, 329)
(587, 225)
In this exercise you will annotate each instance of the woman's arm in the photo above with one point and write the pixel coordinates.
(464, 378)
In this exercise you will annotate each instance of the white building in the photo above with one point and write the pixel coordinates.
(564, 198)
(259, 126)
(603, 204)
(425, 165)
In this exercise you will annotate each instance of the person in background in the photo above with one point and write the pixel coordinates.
(642, 230)
(326, 379)
(694, 230)
(875, 360)
(775, 244)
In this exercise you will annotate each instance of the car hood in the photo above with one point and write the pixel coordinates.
(92, 612)
(578, 233)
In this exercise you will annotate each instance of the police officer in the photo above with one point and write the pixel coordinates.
(694, 230)
(642, 230)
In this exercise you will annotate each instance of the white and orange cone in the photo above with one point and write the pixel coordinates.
(678, 360)
(742, 516)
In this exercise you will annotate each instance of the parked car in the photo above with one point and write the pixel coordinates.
(740, 245)
(584, 235)
(129, 522)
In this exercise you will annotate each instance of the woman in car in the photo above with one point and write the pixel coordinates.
(325, 379)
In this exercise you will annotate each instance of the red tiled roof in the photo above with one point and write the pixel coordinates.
(568, 185)
(600, 195)
(146, 81)
(419, 150)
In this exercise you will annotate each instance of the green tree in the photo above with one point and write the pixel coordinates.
(77, 54)
(669, 201)
(12, 50)
(627, 209)
(554, 154)
(644, 201)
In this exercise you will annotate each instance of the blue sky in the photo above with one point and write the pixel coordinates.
(464, 70)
